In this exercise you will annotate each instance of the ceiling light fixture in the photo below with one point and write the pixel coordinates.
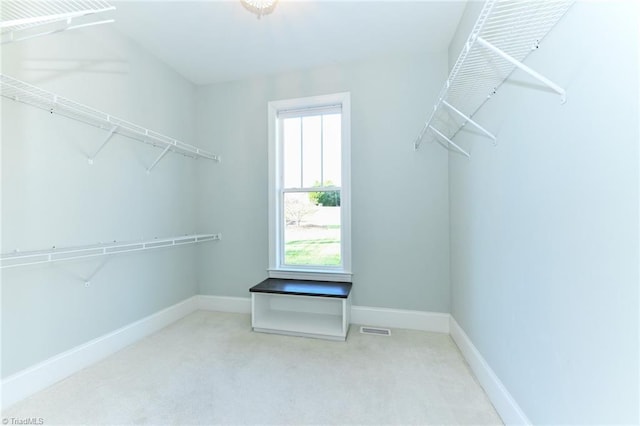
(259, 7)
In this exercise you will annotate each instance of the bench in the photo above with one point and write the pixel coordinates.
(317, 309)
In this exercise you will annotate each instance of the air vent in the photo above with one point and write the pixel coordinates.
(375, 330)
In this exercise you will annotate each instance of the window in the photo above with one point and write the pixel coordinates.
(309, 198)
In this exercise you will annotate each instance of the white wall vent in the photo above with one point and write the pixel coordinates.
(375, 330)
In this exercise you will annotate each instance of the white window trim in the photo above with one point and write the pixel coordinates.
(276, 269)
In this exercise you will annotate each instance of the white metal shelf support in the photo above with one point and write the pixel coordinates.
(523, 67)
(18, 258)
(104, 143)
(20, 91)
(470, 120)
(25, 19)
(452, 143)
(87, 280)
(505, 33)
(158, 158)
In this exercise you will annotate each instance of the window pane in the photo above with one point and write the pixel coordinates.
(311, 230)
(311, 151)
(292, 154)
(331, 147)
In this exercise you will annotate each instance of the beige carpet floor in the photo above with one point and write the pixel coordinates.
(210, 368)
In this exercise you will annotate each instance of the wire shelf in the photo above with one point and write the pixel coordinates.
(17, 258)
(25, 17)
(506, 32)
(20, 91)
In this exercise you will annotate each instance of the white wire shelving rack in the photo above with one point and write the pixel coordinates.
(506, 32)
(18, 258)
(25, 19)
(20, 91)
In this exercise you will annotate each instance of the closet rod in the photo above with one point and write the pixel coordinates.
(18, 258)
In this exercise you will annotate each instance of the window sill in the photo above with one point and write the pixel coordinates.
(313, 275)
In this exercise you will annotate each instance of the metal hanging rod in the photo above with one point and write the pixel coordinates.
(18, 258)
(20, 91)
(22, 20)
(506, 32)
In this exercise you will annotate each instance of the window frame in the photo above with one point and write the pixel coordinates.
(277, 268)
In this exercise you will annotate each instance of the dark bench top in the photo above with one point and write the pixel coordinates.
(303, 288)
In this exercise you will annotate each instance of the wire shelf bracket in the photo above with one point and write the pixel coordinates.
(470, 120)
(104, 143)
(504, 35)
(20, 91)
(23, 20)
(27, 258)
(158, 158)
(523, 67)
(449, 141)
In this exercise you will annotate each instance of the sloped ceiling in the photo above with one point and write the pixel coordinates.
(213, 41)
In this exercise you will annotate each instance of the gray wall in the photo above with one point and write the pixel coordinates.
(544, 227)
(400, 201)
(51, 196)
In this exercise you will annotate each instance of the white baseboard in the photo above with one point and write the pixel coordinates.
(238, 305)
(37, 377)
(400, 318)
(504, 403)
(379, 317)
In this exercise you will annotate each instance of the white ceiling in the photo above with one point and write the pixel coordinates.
(212, 41)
